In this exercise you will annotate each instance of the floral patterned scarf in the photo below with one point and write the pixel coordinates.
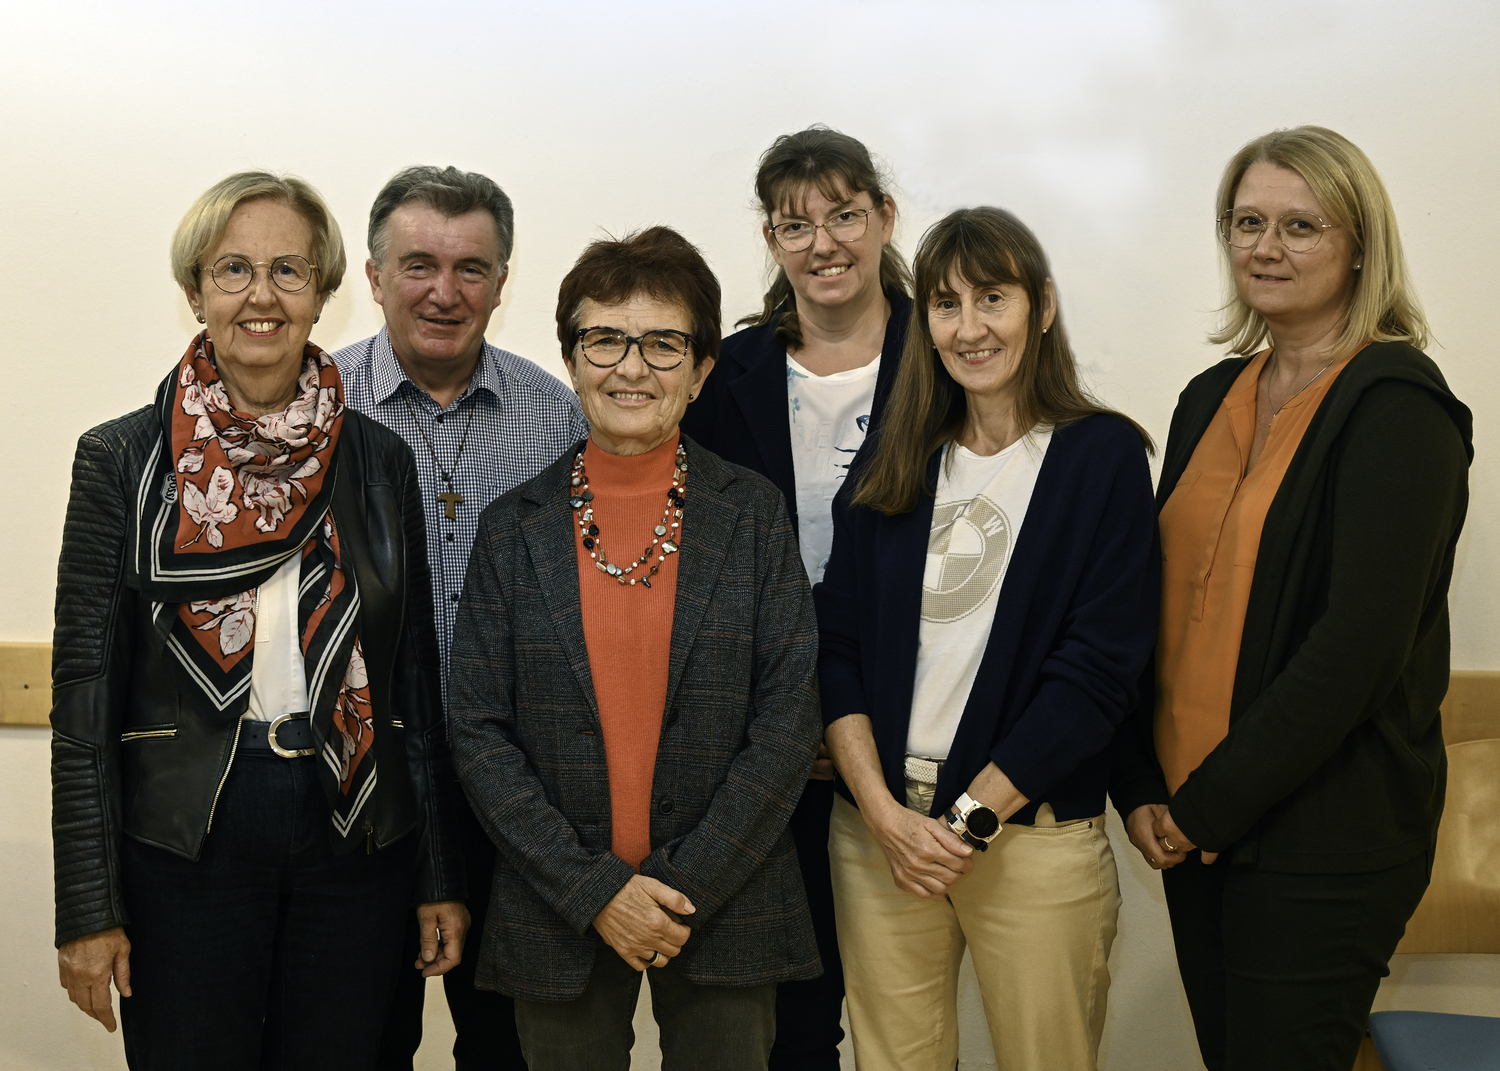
(225, 501)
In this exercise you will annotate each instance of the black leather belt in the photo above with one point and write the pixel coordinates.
(289, 736)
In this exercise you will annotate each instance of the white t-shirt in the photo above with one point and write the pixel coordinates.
(829, 416)
(278, 676)
(980, 507)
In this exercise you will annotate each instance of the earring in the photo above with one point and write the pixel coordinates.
(690, 395)
(1358, 266)
(318, 317)
(200, 318)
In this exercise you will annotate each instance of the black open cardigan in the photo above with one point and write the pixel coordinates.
(742, 415)
(1334, 759)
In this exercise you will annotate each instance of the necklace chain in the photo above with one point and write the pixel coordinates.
(1294, 393)
(462, 442)
(582, 501)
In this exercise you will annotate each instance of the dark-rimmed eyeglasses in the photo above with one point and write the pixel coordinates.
(846, 226)
(663, 350)
(233, 274)
(1299, 232)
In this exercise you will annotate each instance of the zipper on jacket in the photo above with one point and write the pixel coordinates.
(146, 734)
(369, 837)
(238, 725)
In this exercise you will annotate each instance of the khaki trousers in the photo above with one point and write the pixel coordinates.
(1038, 913)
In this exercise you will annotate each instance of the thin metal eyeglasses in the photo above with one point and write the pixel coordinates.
(846, 226)
(663, 350)
(290, 273)
(1299, 232)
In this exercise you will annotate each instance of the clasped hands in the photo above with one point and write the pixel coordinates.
(926, 857)
(642, 922)
(1158, 839)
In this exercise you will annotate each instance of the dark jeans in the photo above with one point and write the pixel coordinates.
(1281, 969)
(484, 1022)
(703, 1027)
(269, 951)
(808, 1013)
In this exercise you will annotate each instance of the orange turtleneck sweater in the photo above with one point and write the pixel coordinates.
(628, 631)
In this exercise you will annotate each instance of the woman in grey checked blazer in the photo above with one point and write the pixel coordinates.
(634, 728)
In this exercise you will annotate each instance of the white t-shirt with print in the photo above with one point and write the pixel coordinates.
(979, 509)
(829, 416)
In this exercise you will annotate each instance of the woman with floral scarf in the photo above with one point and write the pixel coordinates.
(250, 776)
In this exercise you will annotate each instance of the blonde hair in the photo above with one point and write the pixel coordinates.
(208, 218)
(1384, 307)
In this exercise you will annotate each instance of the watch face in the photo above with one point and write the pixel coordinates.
(982, 822)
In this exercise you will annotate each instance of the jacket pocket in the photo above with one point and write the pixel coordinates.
(148, 732)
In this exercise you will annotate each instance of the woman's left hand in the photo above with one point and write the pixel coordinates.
(442, 927)
(1174, 840)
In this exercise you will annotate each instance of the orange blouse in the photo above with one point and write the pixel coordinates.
(1210, 536)
(628, 632)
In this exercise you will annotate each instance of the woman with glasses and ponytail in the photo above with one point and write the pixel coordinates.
(986, 614)
(1288, 779)
(793, 396)
(250, 774)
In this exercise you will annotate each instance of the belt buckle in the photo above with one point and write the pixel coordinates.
(299, 753)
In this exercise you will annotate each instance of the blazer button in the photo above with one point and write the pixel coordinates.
(665, 806)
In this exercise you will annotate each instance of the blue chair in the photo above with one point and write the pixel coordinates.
(1461, 911)
(1436, 1041)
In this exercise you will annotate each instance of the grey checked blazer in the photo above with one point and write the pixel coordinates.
(739, 733)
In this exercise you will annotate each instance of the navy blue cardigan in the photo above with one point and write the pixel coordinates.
(1075, 623)
(742, 415)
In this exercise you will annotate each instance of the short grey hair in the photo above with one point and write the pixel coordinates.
(448, 190)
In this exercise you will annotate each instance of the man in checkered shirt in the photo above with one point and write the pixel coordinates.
(480, 421)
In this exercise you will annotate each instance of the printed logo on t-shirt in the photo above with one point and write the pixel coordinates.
(966, 556)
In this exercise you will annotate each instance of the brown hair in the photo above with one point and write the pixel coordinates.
(447, 190)
(208, 219)
(838, 167)
(927, 408)
(657, 262)
(1384, 307)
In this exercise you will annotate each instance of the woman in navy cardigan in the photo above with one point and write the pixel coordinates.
(988, 608)
(792, 398)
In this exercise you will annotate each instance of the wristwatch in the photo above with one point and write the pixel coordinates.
(974, 822)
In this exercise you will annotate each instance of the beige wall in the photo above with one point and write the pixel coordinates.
(1103, 124)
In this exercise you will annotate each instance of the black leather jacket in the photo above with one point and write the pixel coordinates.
(129, 758)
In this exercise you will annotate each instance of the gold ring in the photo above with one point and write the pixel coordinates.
(1168, 845)
(655, 955)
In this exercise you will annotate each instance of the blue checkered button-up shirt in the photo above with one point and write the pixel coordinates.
(523, 420)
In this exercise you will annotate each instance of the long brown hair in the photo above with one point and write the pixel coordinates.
(927, 407)
(838, 167)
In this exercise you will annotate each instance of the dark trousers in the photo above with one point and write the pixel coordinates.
(703, 1027)
(1281, 969)
(269, 951)
(808, 1013)
(484, 1022)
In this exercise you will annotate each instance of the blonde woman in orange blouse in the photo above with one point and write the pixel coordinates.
(1313, 489)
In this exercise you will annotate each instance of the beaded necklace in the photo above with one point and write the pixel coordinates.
(581, 499)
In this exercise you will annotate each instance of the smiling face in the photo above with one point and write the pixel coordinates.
(632, 407)
(981, 333)
(261, 331)
(439, 282)
(830, 273)
(1291, 290)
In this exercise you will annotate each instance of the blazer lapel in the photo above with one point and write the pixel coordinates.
(708, 523)
(548, 533)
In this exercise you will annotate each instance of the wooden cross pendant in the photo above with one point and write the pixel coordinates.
(449, 499)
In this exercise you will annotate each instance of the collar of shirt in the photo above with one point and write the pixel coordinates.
(387, 375)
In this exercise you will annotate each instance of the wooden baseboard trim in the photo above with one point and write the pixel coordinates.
(25, 683)
(1470, 711)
